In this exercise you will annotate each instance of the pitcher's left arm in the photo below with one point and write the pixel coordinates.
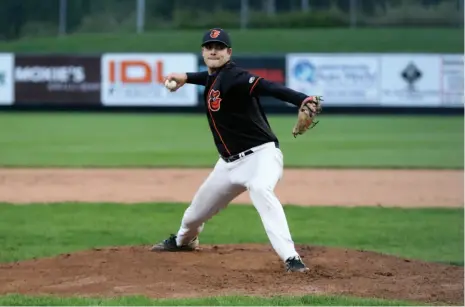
(309, 106)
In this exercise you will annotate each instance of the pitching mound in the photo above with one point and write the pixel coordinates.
(231, 270)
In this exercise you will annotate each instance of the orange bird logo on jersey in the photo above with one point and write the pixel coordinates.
(214, 100)
(214, 33)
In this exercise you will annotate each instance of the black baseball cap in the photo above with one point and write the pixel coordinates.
(217, 35)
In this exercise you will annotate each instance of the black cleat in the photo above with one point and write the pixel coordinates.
(295, 264)
(169, 245)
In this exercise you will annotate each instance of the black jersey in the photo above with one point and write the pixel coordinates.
(233, 108)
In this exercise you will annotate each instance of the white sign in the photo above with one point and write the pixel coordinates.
(6, 79)
(137, 79)
(452, 80)
(342, 79)
(410, 80)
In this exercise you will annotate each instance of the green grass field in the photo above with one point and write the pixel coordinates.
(45, 230)
(141, 140)
(20, 300)
(256, 41)
(84, 140)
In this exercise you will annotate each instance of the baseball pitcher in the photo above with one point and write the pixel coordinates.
(249, 155)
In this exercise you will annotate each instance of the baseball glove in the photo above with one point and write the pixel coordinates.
(308, 111)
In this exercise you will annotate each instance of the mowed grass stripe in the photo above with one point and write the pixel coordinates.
(323, 300)
(154, 140)
(29, 231)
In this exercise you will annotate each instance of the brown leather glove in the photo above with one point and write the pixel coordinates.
(307, 112)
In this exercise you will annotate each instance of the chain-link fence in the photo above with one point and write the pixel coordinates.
(57, 17)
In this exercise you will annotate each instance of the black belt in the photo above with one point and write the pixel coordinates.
(237, 156)
(242, 154)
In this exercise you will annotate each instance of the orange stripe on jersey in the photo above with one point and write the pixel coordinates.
(254, 84)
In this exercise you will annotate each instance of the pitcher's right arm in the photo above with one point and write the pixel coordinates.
(199, 78)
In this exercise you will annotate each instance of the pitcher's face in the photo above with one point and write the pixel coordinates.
(215, 54)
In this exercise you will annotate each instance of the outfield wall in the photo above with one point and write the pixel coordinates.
(349, 83)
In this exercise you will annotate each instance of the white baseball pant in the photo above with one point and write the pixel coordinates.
(258, 173)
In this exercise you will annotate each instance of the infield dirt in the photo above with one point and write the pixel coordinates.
(234, 269)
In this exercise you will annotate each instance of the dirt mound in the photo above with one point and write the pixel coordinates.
(233, 269)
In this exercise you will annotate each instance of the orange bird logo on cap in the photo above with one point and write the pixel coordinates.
(214, 33)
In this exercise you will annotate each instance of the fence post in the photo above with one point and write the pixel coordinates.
(244, 14)
(140, 9)
(304, 5)
(62, 17)
(462, 12)
(353, 13)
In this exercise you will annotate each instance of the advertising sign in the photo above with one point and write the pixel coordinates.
(411, 80)
(137, 79)
(342, 79)
(452, 80)
(270, 68)
(6, 79)
(51, 79)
